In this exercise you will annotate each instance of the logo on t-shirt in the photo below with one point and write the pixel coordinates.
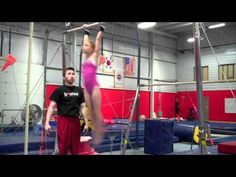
(71, 94)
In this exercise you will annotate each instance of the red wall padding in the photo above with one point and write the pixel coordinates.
(116, 103)
(216, 104)
(167, 104)
(49, 91)
(121, 101)
(185, 102)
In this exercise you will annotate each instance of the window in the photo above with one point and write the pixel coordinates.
(204, 73)
(228, 69)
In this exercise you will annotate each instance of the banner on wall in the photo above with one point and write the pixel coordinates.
(129, 66)
(119, 79)
(105, 65)
(230, 105)
(10, 60)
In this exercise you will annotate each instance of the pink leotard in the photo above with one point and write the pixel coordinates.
(89, 75)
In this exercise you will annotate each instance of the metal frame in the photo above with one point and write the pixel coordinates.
(1, 47)
(198, 70)
(130, 120)
(138, 81)
(45, 52)
(151, 81)
(82, 27)
(31, 27)
(2, 116)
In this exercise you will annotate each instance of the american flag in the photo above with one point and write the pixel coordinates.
(129, 66)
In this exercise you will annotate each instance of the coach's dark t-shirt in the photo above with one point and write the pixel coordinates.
(68, 99)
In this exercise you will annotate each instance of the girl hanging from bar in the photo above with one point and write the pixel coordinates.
(92, 92)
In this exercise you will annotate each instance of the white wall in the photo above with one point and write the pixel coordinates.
(13, 87)
(225, 41)
(13, 81)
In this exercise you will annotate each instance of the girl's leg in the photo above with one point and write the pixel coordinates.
(88, 101)
(96, 123)
(97, 119)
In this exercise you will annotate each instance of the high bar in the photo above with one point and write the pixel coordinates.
(81, 27)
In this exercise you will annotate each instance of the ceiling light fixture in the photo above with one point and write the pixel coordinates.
(145, 25)
(191, 39)
(216, 25)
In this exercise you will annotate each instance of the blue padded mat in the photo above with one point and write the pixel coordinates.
(213, 125)
(225, 139)
(13, 143)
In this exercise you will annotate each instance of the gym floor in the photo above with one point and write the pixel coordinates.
(178, 148)
(12, 143)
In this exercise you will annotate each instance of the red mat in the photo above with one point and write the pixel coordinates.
(227, 147)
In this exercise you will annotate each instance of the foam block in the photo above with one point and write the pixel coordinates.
(158, 137)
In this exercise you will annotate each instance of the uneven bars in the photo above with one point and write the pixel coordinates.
(177, 83)
(81, 27)
(183, 83)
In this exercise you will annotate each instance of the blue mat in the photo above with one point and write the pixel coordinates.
(18, 128)
(225, 139)
(213, 125)
(13, 143)
(184, 132)
(184, 129)
(223, 126)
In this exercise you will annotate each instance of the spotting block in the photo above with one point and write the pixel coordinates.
(158, 137)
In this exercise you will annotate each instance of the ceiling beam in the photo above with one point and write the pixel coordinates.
(164, 24)
(177, 26)
(158, 32)
(162, 33)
